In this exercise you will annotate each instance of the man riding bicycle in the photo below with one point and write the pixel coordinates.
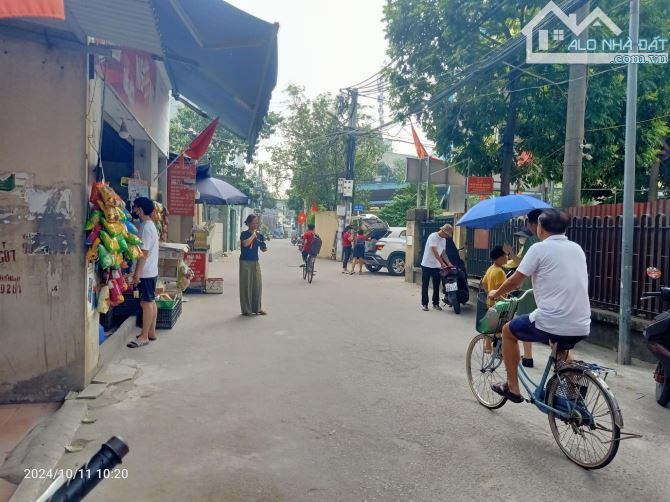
(560, 285)
(307, 240)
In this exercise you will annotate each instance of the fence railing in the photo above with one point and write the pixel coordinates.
(600, 238)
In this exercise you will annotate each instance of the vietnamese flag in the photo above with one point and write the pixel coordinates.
(200, 144)
(420, 150)
(32, 8)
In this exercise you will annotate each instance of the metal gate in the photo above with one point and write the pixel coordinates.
(431, 226)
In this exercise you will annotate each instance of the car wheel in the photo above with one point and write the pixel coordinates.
(397, 264)
(373, 268)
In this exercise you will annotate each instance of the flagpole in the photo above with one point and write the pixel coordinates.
(428, 183)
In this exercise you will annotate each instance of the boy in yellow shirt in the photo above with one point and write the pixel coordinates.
(495, 275)
(493, 279)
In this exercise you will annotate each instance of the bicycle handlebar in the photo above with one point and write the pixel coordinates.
(516, 300)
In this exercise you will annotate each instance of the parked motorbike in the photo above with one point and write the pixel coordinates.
(657, 339)
(294, 240)
(455, 288)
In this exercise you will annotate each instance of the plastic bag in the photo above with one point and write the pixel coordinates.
(115, 295)
(131, 227)
(135, 252)
(92, 254)
(106, 260)
(111, 244)
(118, 260)
(93, 220)
(113, 228)
(123, 245)
(108, 195)
(103, 300)
(120, 281)
(93, 235)
(133, 240)
(95, 192)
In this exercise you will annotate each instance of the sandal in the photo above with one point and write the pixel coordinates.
(503, 389)
(261, 312)
(150, 339)
(135, 344)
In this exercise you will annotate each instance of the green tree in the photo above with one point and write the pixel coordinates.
(225, 153)
(395, 213)
(432, 42)
(311, 153)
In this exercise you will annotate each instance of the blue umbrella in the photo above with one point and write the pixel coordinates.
(491, 212)
(216, 191)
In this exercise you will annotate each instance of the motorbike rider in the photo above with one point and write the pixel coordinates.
(455, 258)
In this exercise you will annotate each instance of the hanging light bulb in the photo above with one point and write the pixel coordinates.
(123, 130)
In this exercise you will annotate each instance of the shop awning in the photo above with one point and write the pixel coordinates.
(218, 57)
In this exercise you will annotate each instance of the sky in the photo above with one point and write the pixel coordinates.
(326, 45)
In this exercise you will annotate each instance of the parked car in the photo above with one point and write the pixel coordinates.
(389, 252)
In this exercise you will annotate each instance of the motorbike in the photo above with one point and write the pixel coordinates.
(657, 340)
(294, 240)
(455, 288)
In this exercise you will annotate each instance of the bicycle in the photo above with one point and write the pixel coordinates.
(308, 269)
(584, 416)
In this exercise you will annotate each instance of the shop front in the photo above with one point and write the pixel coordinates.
(86, 101)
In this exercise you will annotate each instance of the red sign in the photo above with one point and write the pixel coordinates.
(315, 209)
(302, 217)
(181, 189)
(197, 262)
(482, 185)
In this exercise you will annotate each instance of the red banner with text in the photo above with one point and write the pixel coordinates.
(181, 189)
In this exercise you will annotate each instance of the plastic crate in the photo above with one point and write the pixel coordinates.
(129, 307)
(167, 318)
(107, 320)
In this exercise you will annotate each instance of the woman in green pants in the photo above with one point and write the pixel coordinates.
(251, 284)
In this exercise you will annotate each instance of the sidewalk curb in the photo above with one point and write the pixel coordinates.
(42, 448)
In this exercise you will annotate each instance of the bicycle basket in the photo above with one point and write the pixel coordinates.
(493, 318)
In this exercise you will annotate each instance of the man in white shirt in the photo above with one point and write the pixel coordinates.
(560, 285)
(146, 271)
(434, 260)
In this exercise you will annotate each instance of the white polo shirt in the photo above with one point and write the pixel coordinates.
(429, 260)
(560, 285)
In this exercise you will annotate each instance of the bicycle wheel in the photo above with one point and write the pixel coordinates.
(310, 273)
(590, 437)
(304, 269)
(484, 368)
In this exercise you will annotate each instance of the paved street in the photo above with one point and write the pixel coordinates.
(346, 391)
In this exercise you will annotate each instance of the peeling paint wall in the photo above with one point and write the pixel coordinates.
(44, 333)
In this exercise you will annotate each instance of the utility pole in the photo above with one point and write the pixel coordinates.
(428, 182)
(574, 125)
(629, 191)
(350, 165)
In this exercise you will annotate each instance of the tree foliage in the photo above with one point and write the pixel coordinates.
(395, 213)
(312, 150)
(431, 43)
(226, 150)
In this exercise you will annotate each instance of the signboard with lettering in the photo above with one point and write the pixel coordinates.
(482, 185)
(197, 262)
(181, 189)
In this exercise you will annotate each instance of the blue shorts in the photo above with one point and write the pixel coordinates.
(524, 330)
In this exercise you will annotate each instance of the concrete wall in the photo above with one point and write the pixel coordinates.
(44, 345)
(326, 226)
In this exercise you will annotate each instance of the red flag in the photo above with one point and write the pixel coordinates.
(420, 150)
(524, 158)
(200, 144)
(33, 8)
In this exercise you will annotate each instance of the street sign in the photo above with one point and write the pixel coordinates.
(482, 185)
(358, 208)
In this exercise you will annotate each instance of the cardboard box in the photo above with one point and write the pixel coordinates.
(214, 285)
